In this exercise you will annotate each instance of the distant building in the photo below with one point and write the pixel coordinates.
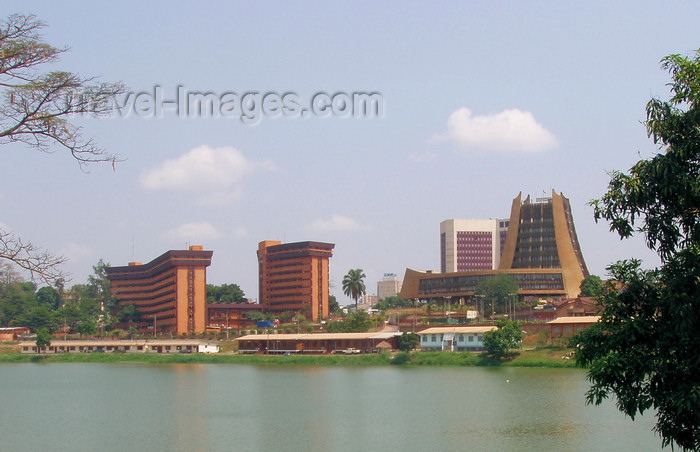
(454, 338)
(294, 277)
(231, 316)
(540, 252)
(160, 346)
(468, 245)
(367, 301)
(568, 326)
(389, 286)
(169, 292)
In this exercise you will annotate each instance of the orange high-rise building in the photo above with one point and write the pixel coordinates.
(294, 277)
(169, 292)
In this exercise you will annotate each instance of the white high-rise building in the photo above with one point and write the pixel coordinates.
(468, 245)
(389, 286)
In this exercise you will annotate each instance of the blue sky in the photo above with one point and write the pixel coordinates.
(481, 100)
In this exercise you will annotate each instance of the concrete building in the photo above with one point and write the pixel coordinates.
(469, 245)
(169, 292)
(294, 277)
(389, 286)
(160, 346)
(231, 316)
(541, 253)
(317, 343)
(568, 326)
(454, 338)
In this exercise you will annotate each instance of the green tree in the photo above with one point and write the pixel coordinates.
(591, 286)
(49, 297)
(644, 351)
(43, 338)
(225, 293)
(392, 303)
(408, 341)
(35, 109)
(354, 284)
(37, 317)
(509, 335)
(333, 305)
(497, 291)
(86, 328)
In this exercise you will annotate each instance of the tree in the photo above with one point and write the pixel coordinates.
(43, 338)
(34, 110)
(644, 351)
(225, 293)
(408, 341)
(498, 290)
(508, 335)
(354, 284)
(333, 305)
(591, 286)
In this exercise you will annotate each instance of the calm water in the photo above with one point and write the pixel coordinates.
(131, 407)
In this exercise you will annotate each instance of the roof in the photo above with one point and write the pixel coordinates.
(318, 336)
(583, 300)
(458, 329)
(580, 319)
(116, 343)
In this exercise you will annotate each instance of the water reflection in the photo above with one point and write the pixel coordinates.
(248, 408)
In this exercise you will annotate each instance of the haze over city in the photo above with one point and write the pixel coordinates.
(476, 103)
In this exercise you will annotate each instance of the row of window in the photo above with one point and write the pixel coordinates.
(469, 337)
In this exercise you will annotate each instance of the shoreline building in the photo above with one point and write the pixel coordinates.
(169, 292)
(467, 245)
(541, 253)
(294, 277)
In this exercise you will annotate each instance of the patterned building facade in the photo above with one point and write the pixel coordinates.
(169, 292)
(467, 245)
(294, 277)
(540, 252)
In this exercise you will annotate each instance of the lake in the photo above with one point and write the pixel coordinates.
(220, 407)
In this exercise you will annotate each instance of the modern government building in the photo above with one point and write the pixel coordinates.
(537, 247)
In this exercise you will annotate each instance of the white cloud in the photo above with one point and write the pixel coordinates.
(337, 223)
(509, 130)
(192, 232)
(203, 168)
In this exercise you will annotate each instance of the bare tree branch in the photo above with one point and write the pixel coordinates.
(40, 263)
(36, 109)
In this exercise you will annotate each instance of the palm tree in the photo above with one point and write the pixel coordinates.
(354, 284)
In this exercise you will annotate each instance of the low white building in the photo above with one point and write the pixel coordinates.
(454, 338)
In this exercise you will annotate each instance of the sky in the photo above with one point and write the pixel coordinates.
(474, 102)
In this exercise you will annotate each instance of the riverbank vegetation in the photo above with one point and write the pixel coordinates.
(539, 357)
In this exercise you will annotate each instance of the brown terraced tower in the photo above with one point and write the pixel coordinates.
(294, 277)
(541, 235)
(169, 292)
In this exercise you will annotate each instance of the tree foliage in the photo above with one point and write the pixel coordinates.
(35, 108)
(393, 302)
(591, 286)
(497, 291)
(645, 350)
(509, 335)
(43, 338)
(225, 293)
(354, 284)
(408, 341)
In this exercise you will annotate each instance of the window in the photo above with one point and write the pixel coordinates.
(461, 338)
(433, 338)
(480, 338)
(471, 338)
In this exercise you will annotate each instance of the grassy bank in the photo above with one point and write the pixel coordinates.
(543, 357)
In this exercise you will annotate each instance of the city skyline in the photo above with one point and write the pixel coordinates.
(476, 102)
